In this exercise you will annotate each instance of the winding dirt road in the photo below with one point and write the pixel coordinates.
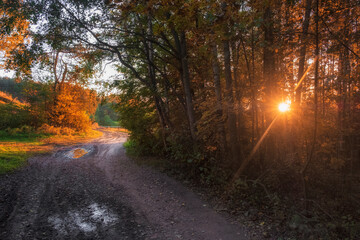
(103, 195)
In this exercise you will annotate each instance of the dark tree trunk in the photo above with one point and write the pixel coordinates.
(305, 27)
(269, 76)
(164, 121)
(316, 81)
(229, 96)
(219, 104)
(268, 63)
(187, 86)
(180, 43)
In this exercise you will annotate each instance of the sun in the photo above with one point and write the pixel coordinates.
(284, 107)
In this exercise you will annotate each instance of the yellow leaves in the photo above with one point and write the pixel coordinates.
(72, 107)
(12, 41)
(8, 98)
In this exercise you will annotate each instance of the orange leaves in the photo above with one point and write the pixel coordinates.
(14, 37)
(6, 98)
(72, 107)
(17, 36)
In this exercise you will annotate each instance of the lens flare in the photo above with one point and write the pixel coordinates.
(284, 107)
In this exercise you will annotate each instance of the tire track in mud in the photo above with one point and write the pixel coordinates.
(103, 195)
(57, 197)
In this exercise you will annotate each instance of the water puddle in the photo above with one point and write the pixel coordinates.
(86, 220)
(79, 152)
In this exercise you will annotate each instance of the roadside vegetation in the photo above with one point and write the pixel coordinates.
(36, 121)
(105, 114)
(16, 146)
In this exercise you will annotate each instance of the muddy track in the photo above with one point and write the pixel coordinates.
(103, 195)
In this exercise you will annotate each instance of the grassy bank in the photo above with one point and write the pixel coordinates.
(16, 148)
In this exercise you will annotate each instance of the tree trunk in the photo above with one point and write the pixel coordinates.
(219, 104)
(164, 121)
(269, 80)
(187, 87)
(316, 81)
(238, 85)
(231, 121)
(180, 43)
(268, 63)
(305, 27)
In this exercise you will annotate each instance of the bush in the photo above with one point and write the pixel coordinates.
(13, 131)
(132, 148)
(13, 116)
(51, 130)
(27, 129)
(72, 108)
(67, 131)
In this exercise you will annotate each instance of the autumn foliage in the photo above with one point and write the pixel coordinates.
(68, 111)
(72, 107)
(14, 35)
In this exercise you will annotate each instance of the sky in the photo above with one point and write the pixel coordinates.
(4, 73)
(108, 74)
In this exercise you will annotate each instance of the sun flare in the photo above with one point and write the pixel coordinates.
(284, 107)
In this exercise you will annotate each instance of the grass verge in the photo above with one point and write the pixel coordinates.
(17, 148)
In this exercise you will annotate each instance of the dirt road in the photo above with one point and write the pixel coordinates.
(103, 195)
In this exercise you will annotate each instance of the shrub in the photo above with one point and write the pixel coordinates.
(132, 148)
(72, 109)
(27, 129)
(13, 116)
(13, 131)
(67, 131)
(51, 130)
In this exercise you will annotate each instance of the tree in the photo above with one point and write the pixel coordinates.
(13, 34)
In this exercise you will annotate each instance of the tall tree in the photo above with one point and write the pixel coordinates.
(303, 47)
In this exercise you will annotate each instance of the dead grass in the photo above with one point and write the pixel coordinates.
(63, 140)
(114, 129)
(7, 98)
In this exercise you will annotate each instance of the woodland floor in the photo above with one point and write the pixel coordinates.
(105, 195)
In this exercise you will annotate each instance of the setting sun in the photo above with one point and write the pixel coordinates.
(284, 107)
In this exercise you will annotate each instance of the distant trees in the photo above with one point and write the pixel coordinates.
(105, 115)
(73, 108)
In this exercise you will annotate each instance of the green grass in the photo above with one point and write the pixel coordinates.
(21, 137)
(12, 160)
(16, 147)
(131, 148)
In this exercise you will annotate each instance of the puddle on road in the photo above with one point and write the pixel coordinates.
(87, 219)
(78, 152)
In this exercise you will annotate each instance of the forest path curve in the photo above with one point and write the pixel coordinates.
(104, 195)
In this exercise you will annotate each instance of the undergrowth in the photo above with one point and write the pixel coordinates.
(132, 149)
(276, 213)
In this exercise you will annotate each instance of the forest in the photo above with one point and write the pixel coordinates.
(256, 101)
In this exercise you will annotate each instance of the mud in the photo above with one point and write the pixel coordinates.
(104, 195)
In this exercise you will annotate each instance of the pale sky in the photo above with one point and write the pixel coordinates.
(108, 74)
